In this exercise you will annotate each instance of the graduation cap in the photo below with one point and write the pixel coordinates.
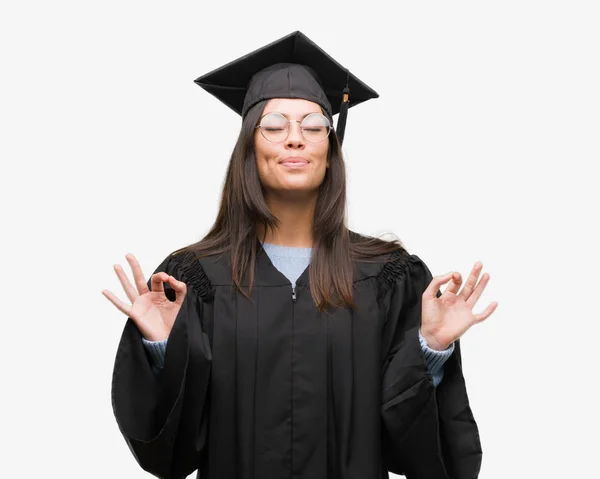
(291, 67)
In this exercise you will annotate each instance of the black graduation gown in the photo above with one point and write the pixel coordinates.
(276, 390)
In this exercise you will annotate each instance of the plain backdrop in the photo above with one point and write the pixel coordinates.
(483, 145)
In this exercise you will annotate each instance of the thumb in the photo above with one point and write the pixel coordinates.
(435, 284)
(180, 289)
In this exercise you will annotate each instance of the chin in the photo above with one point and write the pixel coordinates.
(295, 189)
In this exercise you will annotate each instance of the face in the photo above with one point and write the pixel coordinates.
(278, 177)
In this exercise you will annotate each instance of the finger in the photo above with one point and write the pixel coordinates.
(471, 281)
(488, 311)
(437, 281)
(157, 282)
(454, 285)
(138, 276)
(127, 286)
(478, 290)
(123, 307)
(180, 289)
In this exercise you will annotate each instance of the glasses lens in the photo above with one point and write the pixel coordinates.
(315, 127)
(274, 127)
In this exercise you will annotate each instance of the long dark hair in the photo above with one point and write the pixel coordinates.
(243, 208)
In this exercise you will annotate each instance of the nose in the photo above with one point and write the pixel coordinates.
(295, 138)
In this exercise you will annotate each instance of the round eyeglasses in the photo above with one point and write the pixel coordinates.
(275, 127)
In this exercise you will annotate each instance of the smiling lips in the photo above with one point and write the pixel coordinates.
(294, 162)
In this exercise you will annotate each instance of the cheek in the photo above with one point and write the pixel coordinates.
(264, 149)
(321, 150)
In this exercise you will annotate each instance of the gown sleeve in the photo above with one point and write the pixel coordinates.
(428, 432)
(164, 419)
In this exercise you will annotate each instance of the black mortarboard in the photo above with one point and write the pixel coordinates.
(291, 67)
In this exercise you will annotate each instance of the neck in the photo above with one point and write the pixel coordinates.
(295, 222)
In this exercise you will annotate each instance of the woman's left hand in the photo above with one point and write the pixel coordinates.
(445, 319)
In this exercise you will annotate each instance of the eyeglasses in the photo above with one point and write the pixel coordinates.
(275, 127)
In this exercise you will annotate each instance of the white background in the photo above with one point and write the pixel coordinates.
(482, 146)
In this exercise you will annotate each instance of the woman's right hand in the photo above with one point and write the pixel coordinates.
(152, 312)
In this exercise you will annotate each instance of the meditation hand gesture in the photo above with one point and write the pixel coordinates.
(152, 312)
(445, 319)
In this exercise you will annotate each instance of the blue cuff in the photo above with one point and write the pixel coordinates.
(435, 359)
(156, 350)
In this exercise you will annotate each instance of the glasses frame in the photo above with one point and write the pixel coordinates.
(329, 127)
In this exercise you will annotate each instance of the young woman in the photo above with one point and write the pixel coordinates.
(283, 344)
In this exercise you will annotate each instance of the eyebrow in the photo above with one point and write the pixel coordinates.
(302, 117)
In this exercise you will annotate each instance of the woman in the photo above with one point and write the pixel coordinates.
(282, 344)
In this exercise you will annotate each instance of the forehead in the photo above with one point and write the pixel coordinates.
(292, 107)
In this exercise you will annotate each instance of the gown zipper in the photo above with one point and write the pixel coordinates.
(294, 293)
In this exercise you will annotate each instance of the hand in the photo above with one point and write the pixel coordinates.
(447, 318)
(152, 312)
